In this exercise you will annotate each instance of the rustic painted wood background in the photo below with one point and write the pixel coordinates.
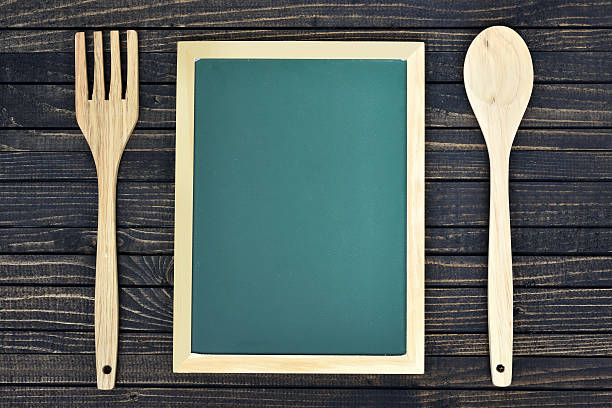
(561, 202)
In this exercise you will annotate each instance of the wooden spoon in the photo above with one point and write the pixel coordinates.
(498, 76)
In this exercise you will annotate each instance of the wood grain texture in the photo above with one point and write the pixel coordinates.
(82, 342)
(139, 240)
(292, 13)
(528, 271)
(442, 271)
(465, 372)
(50, 270)
(72, 308)
(436, 139)
(42, 140)
(535, 310)
(75, 204)
(448, 203)
(447, 310)
(438, 39)
(436, 344)
(572, 118)
(552, 105)
(525, 344)
(57, 67)
(549, 67)
(525, 241)
(438, 241)
(448, 271)
(80, 166)
(446, 165)
(30, 396)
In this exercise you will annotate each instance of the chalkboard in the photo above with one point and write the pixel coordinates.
(299, 229)
(299, 212)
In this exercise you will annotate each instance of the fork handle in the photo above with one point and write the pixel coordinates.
(500, 276)
(107, 291)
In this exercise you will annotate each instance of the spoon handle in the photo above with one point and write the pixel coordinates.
(500, 276)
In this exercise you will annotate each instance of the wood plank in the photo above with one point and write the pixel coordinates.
(438, 39)
(52, 106)
(555, 105)
(137, 165)
(147, 370)
(438, 241)
(74, 204)
(441, 271)
(32, 396)
(436, 344)
(447, 310)
(72, 308)
(525, 241)
(550, 106)
(72, 140)
(524, 165)
(549, 67)
(82, 342)
(137, 241)
(528, 271)
(437, 139)
(549, 344)
(292, 13)
(535, 310)
(452, 165)
(547, 204)
(48, 270)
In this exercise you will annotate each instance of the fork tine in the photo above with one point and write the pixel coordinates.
(115, 81)
(80, 64)
(80, 82)
(98, 86)
(131, 92)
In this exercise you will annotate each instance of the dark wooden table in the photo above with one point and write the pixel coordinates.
(561, 201)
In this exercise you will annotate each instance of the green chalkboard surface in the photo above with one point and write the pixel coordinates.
(299, 221)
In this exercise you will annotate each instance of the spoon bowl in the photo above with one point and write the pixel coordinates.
(498, 77)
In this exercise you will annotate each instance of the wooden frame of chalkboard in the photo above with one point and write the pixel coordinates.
(412, 362)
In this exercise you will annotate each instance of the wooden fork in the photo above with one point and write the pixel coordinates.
(107, 125)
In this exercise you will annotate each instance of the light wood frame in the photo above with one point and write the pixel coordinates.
(412, 362)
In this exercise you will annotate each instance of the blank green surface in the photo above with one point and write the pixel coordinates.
(299, 223)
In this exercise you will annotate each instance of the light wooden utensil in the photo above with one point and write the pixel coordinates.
(107, 124)
(498, 76)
